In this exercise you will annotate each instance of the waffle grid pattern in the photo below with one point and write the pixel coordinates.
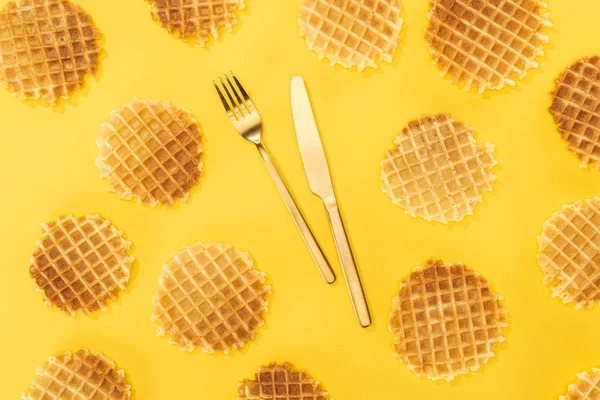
(569, 253)
(486, 44)
(150, 150)
(281, 382)
(196, 19)
(352, 33)
(47, 47)
(446, 321)
(81, 263)
(437, 171)
(576, 109)
(79, 376)
(210, 296)
(587, 387)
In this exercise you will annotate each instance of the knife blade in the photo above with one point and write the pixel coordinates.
(319, 179)
(309, 141)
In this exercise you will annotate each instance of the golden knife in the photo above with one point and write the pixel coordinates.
(319, 179)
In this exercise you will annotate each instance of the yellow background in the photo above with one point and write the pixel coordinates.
(47, 162)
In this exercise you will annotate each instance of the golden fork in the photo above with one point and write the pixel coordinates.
(248, 123)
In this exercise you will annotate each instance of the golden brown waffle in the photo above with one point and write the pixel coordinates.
(352, 33)
(47, 48)
(196, 19)
(210, 296)
(587, 387)
(150, 150)
(79, 376)
(576, 109)
(281, 382)
(437, 171)
(446, 320)
(81, 263)
(486, 44)
(569, 253)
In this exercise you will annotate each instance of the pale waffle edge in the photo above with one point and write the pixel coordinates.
(580, 375)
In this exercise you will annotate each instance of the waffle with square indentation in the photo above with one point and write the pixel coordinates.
(587, 386)
(281, 382)
(569, 253)
(436, 170)
(352, 33)
(47, 48)
(78, 376)
(196, 19)
(486, 44)
(446, 320)
(81, 263)
(150, 150)
(576, 109)
(210, 296)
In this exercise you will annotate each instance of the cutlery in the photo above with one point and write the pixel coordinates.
(319, 179)
(248, 123)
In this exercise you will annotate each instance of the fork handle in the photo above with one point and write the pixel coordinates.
(357, 295)
(307, 235)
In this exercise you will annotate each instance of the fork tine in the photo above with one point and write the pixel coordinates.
(237, 96)
(236, 106)
(228, 108)
(249, 103)
(240, 87)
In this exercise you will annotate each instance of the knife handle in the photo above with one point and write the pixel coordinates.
(307, 235)
(344, 250)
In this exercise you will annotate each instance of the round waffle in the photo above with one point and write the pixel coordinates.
(196, 19)
(446, 320)
(150, 150)
(569, 253)
(281, 382)
(352, 33)
(81, 375)
(81, 263)
(437, 171)
(47, 48)
(210, 296)
(576, 109)
(587, 387)
(486, 43)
